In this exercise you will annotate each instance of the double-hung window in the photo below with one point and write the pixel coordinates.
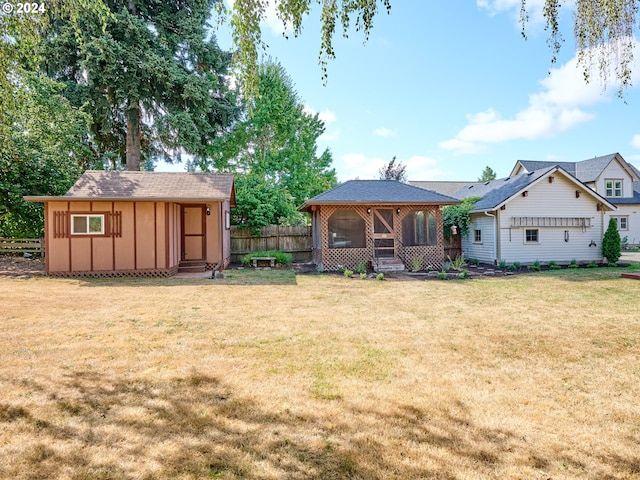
(531, 235)
(477, 236)
(613, 188)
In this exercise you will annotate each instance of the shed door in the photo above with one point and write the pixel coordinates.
(193, 229)
(383, 237)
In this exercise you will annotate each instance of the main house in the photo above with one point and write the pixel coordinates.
(613, 178)
(382, 223)
(542, 215)
(138, 224)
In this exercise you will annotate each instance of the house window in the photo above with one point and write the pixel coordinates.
(346, 230)
(87, 224)
(531, 235)
(622, 223)
(613, 188)
(477, 236)
(419, 228)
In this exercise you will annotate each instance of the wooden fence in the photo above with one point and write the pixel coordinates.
(295, 240)
(21, 245)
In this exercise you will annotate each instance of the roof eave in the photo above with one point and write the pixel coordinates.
(41, 199)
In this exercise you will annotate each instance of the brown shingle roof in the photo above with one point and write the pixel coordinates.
(175, 186)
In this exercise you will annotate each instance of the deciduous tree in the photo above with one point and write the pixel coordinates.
(393, 171)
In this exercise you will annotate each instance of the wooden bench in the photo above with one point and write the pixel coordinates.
(271, 260)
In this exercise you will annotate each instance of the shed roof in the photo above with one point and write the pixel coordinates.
(443, 187)
(96, 185)
(378, 192)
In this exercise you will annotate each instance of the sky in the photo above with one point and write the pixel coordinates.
(449, 91)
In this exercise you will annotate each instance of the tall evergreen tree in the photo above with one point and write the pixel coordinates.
(152, 79)
(487, 175)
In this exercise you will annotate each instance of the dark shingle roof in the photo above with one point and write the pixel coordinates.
(628, 200)
(586, 170)
(443, 187)
(495, 192)
(177, 186)
(378, 192)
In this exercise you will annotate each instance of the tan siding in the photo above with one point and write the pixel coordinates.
(145, 235)
(161, 238)
(124, 252)
(102, 254)
(57, 249)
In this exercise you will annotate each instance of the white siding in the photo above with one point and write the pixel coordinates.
(615, 172)
(484, 251)
(557, 199)
(632, 212)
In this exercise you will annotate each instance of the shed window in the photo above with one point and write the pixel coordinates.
(346, 230)
(87, 224)
(477, 236)
(419, 228)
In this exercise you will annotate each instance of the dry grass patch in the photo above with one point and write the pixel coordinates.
(528, 377)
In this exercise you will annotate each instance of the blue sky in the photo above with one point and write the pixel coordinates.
(449, 91)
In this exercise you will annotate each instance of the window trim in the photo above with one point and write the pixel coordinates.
(618, 219)
(477, 236)
(613, 188)
(537, 236)
(88, 215)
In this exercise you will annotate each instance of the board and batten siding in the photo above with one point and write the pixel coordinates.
(485, 250)
(559, 243)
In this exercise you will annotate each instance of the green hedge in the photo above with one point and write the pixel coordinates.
(282, 258)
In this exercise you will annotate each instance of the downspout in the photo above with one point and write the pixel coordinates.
(495, 243)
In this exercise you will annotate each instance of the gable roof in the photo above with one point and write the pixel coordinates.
(443, 187)
(498, 192)
(586, 170)
(109, 185)
(378, 192)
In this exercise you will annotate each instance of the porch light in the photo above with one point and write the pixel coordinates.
(454, 230)
(525, 193)
(208, 210)
(551, 179)
(369, 211)
(577, 193)
(398, 211)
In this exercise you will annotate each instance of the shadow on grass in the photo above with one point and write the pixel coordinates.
(94, 426)
(231, 277)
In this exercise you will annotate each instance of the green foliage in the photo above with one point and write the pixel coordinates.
(475, 261)
(592, 264)
(458, 215)
(380, 276)
(363, 276)
(340, 268)
(554, 266)
(362, 267)
(282, 258)
(273, 153)
(611, 242)
(502, 264)
(573, 263)
(154, 77)
(42, 151)
(442, 275)
(487, 175)
(348, 273)
(535, 266)
(463, 274)
(393, 171)
(416, 264)
(457, 263)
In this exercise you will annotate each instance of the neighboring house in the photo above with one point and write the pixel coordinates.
(443, 187)
(139, 224)
(612, 177)
(545, 214)
(383, 223)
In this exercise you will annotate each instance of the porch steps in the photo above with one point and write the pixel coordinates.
(388, 265)
(191, 266)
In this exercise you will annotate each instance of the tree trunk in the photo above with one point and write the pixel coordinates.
(133, 136)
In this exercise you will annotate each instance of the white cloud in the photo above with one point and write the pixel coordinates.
(358, 165)
(534, 8)
(557, 107)
(635, 141)
(327, 116)
(385, 132)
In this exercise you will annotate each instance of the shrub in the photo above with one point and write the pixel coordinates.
(348, 273)
(446, 266)
(536, 266)
(611, 242)
(380, 276)
(593, 264)
(363, 276)
(463, 274)
(475, 261)
(340, 269)
(282, 258)
(573, 263)
(457, 263)
(554, 266)
(416, 264)
(502, 264)
(442, 275)
(361, 268)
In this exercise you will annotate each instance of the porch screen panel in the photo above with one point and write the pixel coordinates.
(346, 230)
(419, 229)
